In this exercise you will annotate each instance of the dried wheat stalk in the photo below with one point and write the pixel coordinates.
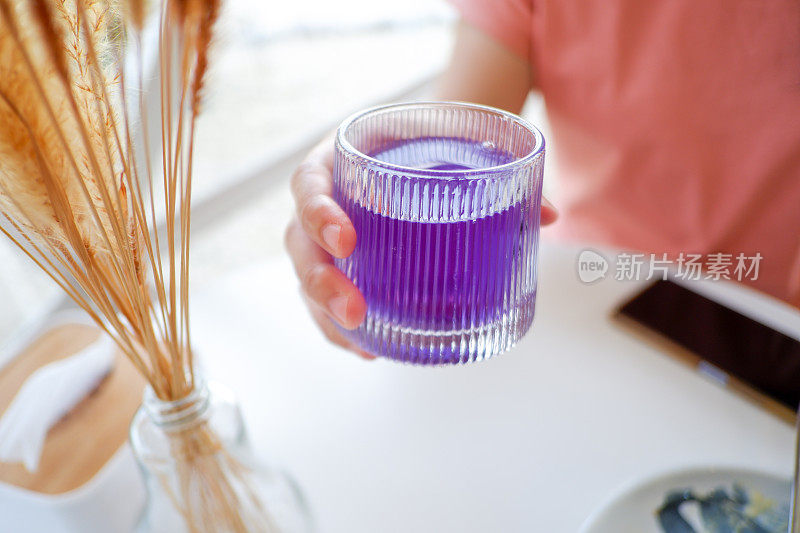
(76, 200)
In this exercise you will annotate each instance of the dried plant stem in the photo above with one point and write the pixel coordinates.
(202, 461)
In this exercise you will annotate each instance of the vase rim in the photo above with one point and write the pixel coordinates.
(168, 413)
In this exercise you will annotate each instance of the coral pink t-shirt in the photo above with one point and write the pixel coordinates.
(676, 124)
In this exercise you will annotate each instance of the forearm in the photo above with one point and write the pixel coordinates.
(483, 71)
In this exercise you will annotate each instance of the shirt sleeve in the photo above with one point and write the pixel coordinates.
(507, 21)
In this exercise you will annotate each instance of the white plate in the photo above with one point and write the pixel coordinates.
(634, 509)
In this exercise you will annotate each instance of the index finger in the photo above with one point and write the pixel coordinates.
(320, 216)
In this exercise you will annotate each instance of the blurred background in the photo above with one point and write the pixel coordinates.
(284, 75)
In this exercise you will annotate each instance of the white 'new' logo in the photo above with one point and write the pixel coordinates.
(591, 266)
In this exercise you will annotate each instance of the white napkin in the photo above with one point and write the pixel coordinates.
(46, 396)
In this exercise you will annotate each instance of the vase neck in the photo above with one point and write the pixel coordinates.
(174, 413)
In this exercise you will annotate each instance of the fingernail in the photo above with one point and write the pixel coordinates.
(330, 234)
(366, 355)
(338, 306)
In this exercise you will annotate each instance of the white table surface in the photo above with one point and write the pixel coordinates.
(533, 440)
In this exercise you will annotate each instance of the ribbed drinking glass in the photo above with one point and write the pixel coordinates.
(445, 199)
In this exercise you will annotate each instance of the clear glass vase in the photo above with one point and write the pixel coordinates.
(200, 473)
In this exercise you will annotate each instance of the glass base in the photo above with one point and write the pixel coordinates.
(288, 512)
(452, 347)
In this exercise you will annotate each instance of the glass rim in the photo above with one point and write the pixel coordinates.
(347, 146)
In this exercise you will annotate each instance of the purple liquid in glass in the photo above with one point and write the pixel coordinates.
(453, 286)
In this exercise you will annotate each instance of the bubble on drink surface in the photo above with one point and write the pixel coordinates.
(489, 145)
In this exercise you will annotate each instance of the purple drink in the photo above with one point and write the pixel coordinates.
(447, 230)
